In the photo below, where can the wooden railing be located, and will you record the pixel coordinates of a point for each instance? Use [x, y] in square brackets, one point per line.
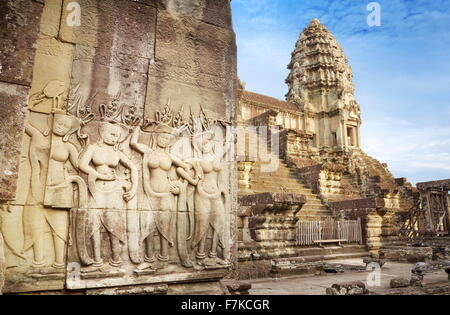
[342, 231]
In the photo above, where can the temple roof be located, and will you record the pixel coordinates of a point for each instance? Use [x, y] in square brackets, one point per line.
[269, 101]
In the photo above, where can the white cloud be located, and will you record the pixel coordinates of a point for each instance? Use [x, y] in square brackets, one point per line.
[419, 152]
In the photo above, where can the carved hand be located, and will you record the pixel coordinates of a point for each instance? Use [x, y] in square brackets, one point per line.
[174, 189]
[127, 196]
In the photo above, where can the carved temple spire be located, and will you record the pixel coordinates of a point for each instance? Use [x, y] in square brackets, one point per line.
[321, 77]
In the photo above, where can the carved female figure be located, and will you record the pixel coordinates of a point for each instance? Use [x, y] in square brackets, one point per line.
[159, 201]
[36, 217]
[210, 196]
[109, 193]
[59, 190]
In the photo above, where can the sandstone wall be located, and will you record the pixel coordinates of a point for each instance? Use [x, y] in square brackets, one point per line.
[108, 86]
[18, 34]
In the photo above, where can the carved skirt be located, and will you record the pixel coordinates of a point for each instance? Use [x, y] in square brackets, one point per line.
[157, 215]
[107, 209]
[209, 212]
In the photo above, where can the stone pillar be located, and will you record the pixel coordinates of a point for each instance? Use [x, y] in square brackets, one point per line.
[245, 168]
[374, 223]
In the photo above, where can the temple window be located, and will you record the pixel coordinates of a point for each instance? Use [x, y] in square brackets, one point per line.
[333, 139]
[351, 136]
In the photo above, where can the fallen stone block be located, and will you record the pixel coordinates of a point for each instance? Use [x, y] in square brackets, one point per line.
[237, 287]
[348, 288]
[410, 254]
[416, 280]
[400, 282]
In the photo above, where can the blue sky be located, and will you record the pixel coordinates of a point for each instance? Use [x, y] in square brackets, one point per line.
[401, 70]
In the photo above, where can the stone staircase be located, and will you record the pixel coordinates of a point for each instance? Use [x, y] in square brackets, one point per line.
[276, 237]
[286, 179]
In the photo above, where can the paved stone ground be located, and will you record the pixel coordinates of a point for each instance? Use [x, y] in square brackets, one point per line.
[316, 285]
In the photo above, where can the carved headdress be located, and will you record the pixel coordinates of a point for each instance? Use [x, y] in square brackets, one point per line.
[202, 125]
[124, 116]
[202, 129]
[166, 122]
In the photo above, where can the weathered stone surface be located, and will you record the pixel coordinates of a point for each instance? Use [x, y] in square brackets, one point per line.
[297, 266]
[215, 12]
[122, 26]
[132, 290]
[406, 253]
[85, 169]
[272, 199]
[2, 262]
[400, 283]
[195, 63]
[113, 52]
[53, 63]
[13, 100]
[416, 280]
[349, 288]
[106, 83]
[237, 287]
[51, 18]
[19, 29]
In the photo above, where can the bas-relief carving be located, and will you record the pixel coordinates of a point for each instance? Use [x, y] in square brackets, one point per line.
[210, 194]
[166, 213]
[111, 191]
[159, 188]
[97, 187]
[51, 74]
[36, 225]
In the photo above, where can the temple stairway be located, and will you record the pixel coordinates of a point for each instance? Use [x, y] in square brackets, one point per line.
[285, 254]
[285, 179]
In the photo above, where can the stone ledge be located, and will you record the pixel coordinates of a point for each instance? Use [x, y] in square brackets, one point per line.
[406, 253]
[272, 198]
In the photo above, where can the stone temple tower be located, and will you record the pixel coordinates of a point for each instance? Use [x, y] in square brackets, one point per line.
[320, 84]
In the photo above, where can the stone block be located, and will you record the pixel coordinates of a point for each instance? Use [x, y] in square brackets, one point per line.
[195, 64]
[118, 25]
[106, 85]
[406, 253]
[52, 67]
[13, 100]
[400, 282]
[348, 288]
[160, 289]
[237, 287]
[114, 46]
[51, 18]
[19, 30]
[416, 280]
[215, 12]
